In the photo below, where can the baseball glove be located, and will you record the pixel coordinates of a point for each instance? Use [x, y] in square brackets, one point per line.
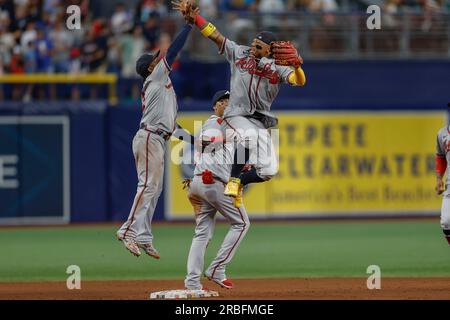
[285, 54]
[188, 8]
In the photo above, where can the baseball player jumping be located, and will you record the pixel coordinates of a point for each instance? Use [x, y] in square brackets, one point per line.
[206, 193]
[159, 111]
[442, 165]
[256, 75]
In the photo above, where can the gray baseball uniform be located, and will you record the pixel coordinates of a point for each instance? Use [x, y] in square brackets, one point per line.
[443, 150]
[254, 86]
[207, 198]
[216, 156]
[159, 111]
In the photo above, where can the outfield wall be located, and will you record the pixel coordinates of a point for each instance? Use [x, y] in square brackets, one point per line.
[76, 161]
[56, 166]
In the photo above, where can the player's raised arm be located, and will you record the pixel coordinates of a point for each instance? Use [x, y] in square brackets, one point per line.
[205, 27]
[209, 31]
[180, 39]
[178, 44]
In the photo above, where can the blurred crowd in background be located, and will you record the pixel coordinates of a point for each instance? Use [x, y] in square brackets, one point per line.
[34, 37]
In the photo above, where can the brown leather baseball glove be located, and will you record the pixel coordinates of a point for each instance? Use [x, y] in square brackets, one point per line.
[285, 54]
[188, 8]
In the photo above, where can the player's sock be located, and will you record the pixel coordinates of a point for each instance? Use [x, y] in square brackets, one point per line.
[250, 177]
[447, 235]
[241, 156]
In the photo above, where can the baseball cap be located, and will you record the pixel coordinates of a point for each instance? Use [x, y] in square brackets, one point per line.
[144, 62]
[266, 37]
[219, 95]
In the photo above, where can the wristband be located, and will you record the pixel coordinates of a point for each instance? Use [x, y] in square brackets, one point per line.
[208, 30]
[200, 21]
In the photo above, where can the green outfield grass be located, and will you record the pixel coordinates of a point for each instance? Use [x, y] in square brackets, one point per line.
[289, 249]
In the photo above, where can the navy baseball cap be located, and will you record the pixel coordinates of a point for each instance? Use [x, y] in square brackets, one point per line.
[144, 62]
[266, 37]
[219, 95]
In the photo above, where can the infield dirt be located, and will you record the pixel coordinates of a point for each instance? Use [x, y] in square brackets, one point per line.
[265, 289]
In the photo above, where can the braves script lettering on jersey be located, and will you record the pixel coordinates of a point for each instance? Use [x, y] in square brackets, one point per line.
[254, 84]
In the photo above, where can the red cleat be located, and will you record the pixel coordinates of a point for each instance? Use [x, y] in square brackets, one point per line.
[225, 283]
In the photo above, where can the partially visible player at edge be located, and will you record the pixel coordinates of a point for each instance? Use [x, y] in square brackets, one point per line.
[255, 81]
[158, 122]
[442, 165]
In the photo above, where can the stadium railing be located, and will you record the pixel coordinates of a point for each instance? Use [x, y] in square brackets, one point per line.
[338, 35]
[43, 78]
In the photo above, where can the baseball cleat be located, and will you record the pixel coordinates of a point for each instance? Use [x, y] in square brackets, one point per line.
[131, 246]
[224, 283]
[150, 250]
[239, 198]
[232, 187]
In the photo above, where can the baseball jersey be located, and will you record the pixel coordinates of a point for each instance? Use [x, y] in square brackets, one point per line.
[217, 157]
[253, 85]
[159, 101]
[443, 148]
